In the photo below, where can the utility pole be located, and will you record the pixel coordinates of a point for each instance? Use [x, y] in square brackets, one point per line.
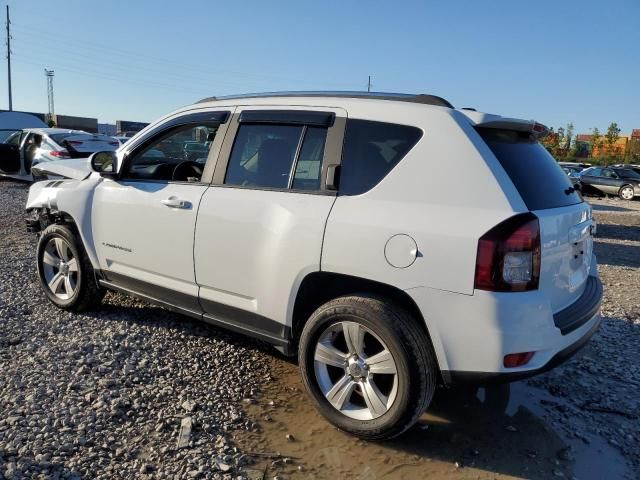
[369, 84]
[9, 59]
[52, 114]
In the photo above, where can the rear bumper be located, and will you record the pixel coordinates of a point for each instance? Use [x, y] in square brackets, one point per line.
[484, 378]
[471, 334]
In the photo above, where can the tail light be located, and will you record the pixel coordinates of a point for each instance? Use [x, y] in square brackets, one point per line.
[74, 142]
[59, 154]
[508, 257]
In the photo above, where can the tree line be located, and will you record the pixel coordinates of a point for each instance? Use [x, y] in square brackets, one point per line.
[601, 148]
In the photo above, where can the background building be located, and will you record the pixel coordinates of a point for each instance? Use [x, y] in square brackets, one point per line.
[603, 148]
[107, 128]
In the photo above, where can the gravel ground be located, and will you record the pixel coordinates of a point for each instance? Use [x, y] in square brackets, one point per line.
[600, 388]
[108, 394]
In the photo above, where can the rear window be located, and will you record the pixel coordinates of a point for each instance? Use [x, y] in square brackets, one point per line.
[534, 172]
[371, 150]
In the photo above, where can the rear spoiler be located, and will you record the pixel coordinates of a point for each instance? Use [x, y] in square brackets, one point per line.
[487, 120]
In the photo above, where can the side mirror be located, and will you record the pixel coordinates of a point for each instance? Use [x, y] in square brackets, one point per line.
[104, 163]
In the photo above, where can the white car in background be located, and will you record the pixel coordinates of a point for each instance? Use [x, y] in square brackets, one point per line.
[29, 147]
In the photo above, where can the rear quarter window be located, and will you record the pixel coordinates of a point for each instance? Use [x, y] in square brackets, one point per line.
[371, 150]
[541, 182]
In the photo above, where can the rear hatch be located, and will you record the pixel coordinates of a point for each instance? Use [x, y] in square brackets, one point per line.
[565, 220]
[81, 145]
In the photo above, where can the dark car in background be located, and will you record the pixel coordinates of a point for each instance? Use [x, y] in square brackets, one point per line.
[602, 181]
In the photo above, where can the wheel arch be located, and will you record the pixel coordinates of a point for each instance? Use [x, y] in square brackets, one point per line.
[318, 288]
[68, 202]
[40, 218]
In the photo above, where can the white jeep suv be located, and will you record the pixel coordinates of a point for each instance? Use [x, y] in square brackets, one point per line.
[395, 242]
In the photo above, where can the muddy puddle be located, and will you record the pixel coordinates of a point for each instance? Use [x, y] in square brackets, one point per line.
[472, 437]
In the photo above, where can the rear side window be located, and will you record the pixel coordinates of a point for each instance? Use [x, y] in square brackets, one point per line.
[534, 172]
[371, 150]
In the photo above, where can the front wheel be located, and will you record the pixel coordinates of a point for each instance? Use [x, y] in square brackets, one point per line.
[367, 365]
[626, 192]
[64, 270]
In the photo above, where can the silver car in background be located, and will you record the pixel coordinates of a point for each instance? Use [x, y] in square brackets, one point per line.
[28, 147]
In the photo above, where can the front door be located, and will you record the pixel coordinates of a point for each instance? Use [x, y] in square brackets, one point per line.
[261, 224]
[10, 152]
[144, 221]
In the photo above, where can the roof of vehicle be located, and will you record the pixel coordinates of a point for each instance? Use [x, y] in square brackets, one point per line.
[426, 99]
[346, 98]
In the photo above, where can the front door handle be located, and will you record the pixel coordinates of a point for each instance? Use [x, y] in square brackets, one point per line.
[175, 202]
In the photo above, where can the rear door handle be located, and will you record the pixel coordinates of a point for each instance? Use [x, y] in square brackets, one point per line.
[175, 202]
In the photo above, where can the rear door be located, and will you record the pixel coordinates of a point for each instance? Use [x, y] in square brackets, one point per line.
[10, 151]
[260, 225]
[565, 220]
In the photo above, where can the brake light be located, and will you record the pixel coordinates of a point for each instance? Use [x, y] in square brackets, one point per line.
[74, 142]
[508, 257]
[59, 154]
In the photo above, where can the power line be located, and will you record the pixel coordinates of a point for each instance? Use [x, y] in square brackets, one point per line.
[119, 79]
[118, 53]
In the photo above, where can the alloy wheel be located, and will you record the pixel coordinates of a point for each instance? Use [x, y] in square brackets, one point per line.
[355, 370]
[60, 268]
[627, 193]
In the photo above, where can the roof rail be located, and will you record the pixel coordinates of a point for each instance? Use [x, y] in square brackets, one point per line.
[400, 97]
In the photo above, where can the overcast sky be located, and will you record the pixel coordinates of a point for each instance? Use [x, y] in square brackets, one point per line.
[552, 61]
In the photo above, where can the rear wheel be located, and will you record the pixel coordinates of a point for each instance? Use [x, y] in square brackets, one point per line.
[368, 367]
[64, 270]
[626, 192]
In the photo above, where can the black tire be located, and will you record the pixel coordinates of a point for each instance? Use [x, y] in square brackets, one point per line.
[87, 294]
[409, 346]
[623, 189]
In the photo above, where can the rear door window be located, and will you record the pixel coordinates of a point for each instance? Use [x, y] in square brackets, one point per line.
[534, 172]
[371, 150]
[266, 156]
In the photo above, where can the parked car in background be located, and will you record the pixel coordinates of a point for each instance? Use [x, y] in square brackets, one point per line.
[10, 124]
[26, 148]
[324, 231]
[623, 182]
